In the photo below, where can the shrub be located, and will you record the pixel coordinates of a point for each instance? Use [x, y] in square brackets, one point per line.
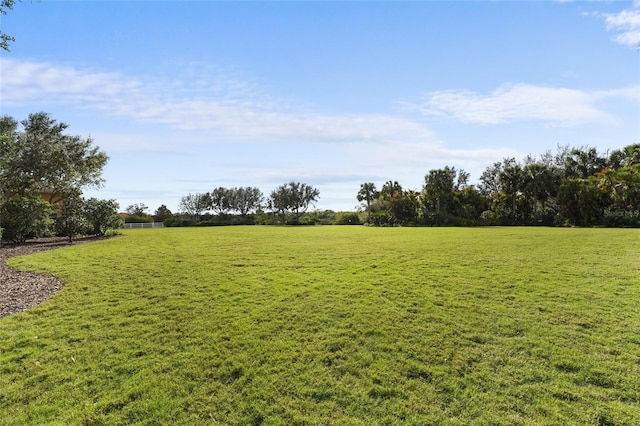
[70, 218]
[135, 218]
[177, 221]
[71, 226]
[488, 217]
[348, 218]
[113, 233]
[102, 215]
[171, 222]
[381, 218]
[26, 217]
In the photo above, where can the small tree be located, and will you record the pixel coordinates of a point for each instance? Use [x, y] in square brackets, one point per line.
[70, 217]
[102, 215]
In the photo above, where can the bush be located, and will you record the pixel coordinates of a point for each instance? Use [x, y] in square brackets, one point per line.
[113, 232]
[102, 215]
[177, 221]
[135, 218]
[348, 218]
[70, 218]
[381, 218]
[171, 222]
[26, 217]
[71, 226]
[489, 217]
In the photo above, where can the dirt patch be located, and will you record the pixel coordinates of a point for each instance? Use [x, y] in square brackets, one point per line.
[24, 290]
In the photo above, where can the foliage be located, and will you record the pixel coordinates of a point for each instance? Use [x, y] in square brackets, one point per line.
[162, 213]
[43, 159]
[368, 193]
[318, 325]
[575, 186]
[5, 39]
[439, 188]
[293, 197]
[102, 215]
[139, 209]
[246, 199]
[71, 219]
[194, 205]
[348, 218]
[138, 219]
[581, 202]
[26, 217]
[41, 164]
[220, 200]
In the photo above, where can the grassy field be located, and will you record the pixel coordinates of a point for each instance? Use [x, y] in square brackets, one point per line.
[331, 325]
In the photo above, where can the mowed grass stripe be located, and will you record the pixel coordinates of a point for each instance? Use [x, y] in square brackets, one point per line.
[331, 325]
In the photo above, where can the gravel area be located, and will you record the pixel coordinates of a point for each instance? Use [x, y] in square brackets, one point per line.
[24, 290]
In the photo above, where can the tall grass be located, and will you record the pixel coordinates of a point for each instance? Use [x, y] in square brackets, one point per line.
[331, 325]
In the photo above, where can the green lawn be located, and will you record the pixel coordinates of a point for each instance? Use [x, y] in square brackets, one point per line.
[331, 325]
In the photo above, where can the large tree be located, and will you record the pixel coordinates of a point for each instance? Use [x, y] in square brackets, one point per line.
[582, 163]
[439, 186]
[245, 199]
[490, 179]
[293, 197]
[194, 205]
[41, 158]
[220, 200]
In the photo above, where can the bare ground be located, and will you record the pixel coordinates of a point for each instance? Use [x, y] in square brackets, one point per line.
[24, 290]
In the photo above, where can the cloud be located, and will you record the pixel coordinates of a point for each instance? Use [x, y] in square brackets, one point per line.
[627, 24]
[208, 99]
[559, 106]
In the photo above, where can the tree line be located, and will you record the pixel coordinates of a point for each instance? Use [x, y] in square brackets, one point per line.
[43, 172]
[574, 186]
[246, 205]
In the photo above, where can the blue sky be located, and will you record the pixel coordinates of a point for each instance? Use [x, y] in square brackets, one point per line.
[188, 96]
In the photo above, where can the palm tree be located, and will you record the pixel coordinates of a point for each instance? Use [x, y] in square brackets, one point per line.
[368, 193]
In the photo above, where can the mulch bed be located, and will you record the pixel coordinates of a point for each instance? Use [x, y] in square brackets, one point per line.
[24, 290]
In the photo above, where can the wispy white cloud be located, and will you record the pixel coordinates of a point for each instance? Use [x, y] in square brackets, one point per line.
[520, 102]
[203, 100]
[627, 24]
